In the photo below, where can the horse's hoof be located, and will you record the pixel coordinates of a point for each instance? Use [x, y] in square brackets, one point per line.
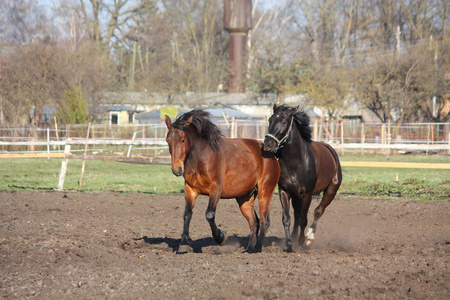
[309, 243]
[289, 250]
[250, 251]
[182, 249]
[220, 239]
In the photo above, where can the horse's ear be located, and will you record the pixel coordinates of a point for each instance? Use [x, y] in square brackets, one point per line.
[274, 107]
[168, 122]
[189, 121]
[295, 109]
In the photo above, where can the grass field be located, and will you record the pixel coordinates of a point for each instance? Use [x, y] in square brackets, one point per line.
[109, 176]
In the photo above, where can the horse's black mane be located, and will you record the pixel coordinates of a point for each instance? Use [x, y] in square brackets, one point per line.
[202, 126]
[301, 119]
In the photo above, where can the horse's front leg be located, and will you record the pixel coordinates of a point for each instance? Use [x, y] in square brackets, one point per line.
[190, 195]
[285, 199]
[210, 215]
[303, 218]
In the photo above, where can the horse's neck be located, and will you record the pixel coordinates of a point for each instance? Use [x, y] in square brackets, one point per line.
[199, 148]
[296, 145]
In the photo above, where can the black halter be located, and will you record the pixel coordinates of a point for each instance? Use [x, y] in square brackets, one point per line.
[280, 143]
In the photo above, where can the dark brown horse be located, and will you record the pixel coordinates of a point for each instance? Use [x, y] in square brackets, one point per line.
[307, 168]
[221, 168]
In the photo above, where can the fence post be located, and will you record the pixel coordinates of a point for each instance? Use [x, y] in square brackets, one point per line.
[432, 134]
[342, 136]
[363, 137]
[320, 131]
[129, 147]
[48, 142]
[448, 139]
[57, 134]
[64, 163]
[315, 129]
[388, 152]
[84, 158]
[257, 129]
[332, 131]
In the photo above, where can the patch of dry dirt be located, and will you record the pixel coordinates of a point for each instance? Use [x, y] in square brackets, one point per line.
[56, 245]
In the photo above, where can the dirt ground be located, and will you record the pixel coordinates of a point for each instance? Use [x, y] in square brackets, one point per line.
[56, 245]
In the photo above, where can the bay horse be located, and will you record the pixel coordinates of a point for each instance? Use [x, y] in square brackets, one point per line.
[307, 168]
[219, 167]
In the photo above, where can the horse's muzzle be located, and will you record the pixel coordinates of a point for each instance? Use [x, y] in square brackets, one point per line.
[178, 172]
[269, 145]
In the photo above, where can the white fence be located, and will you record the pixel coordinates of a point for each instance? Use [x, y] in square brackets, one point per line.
[148, 139]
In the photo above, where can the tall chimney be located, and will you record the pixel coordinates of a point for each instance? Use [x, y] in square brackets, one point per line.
[237, 20]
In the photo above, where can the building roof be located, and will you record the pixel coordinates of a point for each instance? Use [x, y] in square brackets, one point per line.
[217, 115]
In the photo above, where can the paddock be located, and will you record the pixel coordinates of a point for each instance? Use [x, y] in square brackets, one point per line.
[56, 245]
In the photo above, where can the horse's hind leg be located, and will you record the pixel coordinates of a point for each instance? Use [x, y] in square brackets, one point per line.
[210, 215]
[246, 204]
[328, 196]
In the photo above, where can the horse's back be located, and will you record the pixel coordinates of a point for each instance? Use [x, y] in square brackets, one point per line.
[245, 165]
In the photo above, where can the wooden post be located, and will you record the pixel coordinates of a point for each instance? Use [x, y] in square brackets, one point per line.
[315, 129]
[57, 135]
[143, 137]
[383, 137]
[48, 141]
[332, 132]
[320, 132]
[342, 136]
[257, 129]
[64, 163]
[388, 152]
[84, 158]
[156, 136]
[428, 137]
[233, 128]
[129, 147]
[363, 136]
[448, 139]
[432, 134]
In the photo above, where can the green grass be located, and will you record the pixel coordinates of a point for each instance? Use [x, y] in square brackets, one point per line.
[426, 184]
[394, 158]
[99, 176]
[109, 176]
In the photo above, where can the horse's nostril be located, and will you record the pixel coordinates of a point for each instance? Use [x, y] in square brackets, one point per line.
[177, 172]
[268, 145]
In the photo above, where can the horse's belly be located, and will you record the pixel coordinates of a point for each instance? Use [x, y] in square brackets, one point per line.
[233, 185]
[238, 186]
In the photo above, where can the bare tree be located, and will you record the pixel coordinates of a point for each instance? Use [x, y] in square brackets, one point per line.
[22, 21]
[29, 82]
[182, 47]
[106, 21]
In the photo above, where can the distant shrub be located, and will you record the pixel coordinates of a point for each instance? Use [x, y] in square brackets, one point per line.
[74, 109]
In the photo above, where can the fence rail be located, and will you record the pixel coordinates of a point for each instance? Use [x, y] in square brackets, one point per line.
[149, 140]
[150, 137]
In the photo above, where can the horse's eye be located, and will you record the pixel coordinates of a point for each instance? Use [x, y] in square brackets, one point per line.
[283, 122]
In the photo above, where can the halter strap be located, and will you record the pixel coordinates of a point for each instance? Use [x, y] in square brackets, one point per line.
[280, 143]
